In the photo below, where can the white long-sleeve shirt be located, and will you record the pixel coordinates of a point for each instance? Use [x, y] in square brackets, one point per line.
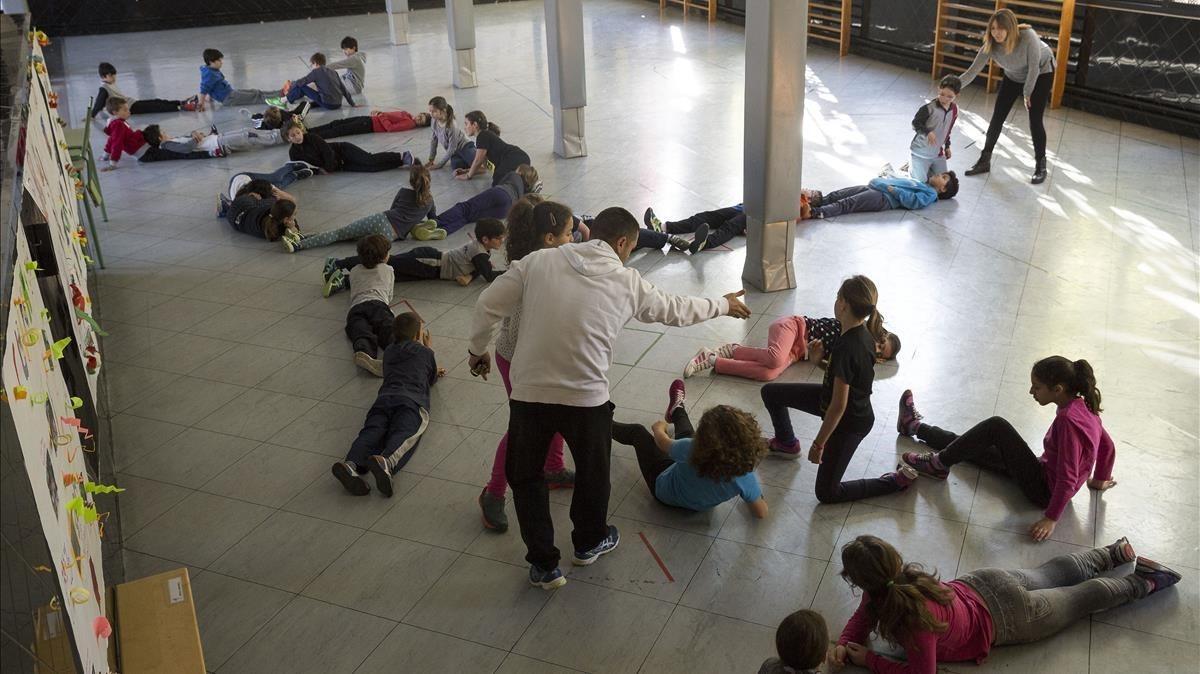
[574, 300]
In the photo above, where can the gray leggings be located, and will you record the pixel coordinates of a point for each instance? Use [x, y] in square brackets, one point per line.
[857, 199]
[377, 223]
[1032, 604]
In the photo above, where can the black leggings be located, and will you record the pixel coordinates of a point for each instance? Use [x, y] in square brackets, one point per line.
[1012, 91]
[724, 224]
[150, 105]
[839, 448]
[651, 460]
[153, 153]
[992, 444]
[350, 126]
[358, 160]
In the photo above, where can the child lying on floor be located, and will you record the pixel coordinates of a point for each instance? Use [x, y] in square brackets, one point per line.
[124, 139]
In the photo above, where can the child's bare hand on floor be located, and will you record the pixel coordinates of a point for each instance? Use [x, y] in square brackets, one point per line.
[441, 372]
[1042, 529]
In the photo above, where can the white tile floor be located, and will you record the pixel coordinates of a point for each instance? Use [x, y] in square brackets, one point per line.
[232, 388]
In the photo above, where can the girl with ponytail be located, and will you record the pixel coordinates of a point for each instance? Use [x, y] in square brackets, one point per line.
[842, 400]
[1075, 446]
[460, 152]
[503, 156]
[533, 224]
[961, 620]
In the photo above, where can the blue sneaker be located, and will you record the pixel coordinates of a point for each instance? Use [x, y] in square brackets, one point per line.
[586, 557]
[547, 580]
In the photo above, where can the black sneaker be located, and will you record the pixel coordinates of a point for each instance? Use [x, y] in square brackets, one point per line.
[347, 474]
[605, 546]
[699, 239]
[651, 220]
[383, 474]
[1158, 575]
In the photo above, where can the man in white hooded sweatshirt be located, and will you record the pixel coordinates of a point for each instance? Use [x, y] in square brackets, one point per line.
[574, 301]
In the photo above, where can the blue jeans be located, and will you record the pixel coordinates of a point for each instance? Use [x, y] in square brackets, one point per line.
[493, 202]
[281, 177]
[296, 93]
[464, 157]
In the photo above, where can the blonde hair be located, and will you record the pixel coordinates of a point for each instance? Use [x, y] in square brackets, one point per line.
[1008, 21]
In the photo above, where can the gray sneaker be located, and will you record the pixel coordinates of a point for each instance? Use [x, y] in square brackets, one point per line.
[366, 362]
[494, 517]
[383, 474]
[347, 474]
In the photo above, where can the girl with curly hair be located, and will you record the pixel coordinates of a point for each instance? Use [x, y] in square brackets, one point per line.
[701, 472]
[961, 620]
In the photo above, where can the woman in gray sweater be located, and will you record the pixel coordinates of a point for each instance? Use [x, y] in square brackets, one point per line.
[1028, 65]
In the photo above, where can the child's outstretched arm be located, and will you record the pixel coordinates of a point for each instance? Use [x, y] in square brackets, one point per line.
[476, 166]
[759, 508]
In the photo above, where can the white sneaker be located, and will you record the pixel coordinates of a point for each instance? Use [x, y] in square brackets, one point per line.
[726, 350]
[703, 360]
[372, 365]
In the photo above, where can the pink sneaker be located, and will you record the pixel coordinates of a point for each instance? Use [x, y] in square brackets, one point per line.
[677, 395]
[909, 419]
[785, 450]
[726, 350]
[925, 464]
[704, 359]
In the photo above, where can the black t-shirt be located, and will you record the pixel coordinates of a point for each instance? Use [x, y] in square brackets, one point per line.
[246, 213]
[497, 149]
[853, 360]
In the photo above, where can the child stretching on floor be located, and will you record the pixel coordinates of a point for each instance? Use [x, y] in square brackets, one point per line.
[494, 202]
[933, 122]
[411, 210]
[490, 149]
[378, 121]
[883, 193]
[321, 85]
[214, 87]
[802, 641]
[262, 209]
[339, 156]
[369, 322]
[355, 65]
[703, 472]
[790, 339]
[460, 151]
[532, 226]
[400, 415]
[124, 139]
[1075, 445]
[108, 88]
[963, 619]
[425, 263]
[842, 400]
[279, 178]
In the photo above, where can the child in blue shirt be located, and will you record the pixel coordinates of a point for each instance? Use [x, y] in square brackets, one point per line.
[214, 87]
[699, 473]
[890, 190]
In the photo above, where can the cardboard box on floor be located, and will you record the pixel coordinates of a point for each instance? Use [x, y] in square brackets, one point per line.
[156, 625]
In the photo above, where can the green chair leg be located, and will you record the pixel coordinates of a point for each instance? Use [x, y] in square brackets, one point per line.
[93, 239]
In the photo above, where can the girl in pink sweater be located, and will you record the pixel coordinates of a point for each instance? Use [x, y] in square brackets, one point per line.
[1075, 446]
[961, 620]
[790, 339]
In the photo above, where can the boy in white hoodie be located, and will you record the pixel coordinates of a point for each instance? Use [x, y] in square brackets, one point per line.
[574, 301]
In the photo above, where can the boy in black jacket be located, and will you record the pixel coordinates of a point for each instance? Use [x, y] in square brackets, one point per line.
[400, 415]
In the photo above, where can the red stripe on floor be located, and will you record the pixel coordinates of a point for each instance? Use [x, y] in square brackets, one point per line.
[658, 559]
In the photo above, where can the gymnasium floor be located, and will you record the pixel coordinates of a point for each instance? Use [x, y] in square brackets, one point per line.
[232, 389]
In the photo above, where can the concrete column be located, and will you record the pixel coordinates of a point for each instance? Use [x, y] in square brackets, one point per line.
[460, 20]
[568, 89]
[397, 11]
[776, 36]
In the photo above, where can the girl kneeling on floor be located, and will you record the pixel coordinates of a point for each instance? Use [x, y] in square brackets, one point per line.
[702, 472]
[961, 620]
[1075, 445]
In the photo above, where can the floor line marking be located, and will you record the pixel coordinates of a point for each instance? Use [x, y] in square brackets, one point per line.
[658, 559]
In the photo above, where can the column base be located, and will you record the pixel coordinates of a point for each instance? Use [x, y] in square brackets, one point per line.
[769, 263]
[399, 27]
[464, 69]
[569, 139]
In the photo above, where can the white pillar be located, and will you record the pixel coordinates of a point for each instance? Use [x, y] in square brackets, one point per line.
[568, 88]
[397, 11]
[776, 36]
[460, 21]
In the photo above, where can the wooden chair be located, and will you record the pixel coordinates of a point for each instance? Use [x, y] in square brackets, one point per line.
[688, 5]
[83, 159]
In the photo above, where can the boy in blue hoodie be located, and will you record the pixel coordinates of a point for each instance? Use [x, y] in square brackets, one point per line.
[886, 192]
[400, 415]
[214, 87]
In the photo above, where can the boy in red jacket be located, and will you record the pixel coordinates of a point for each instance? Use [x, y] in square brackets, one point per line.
[124, 139]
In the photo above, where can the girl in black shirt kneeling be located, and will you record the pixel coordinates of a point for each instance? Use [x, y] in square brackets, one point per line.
[842, 400]
[505, 157]
[337, 156]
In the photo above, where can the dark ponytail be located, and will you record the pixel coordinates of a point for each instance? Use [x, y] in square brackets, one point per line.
[898, 591]
[477, 117]
[439, 103]
[530, 220]
[419, 181]
[280, 211]
[1076, 377]
[860, 294]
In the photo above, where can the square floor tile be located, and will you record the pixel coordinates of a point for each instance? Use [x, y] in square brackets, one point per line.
[192, 458]
[230, 613]
[297, 333]
[796, 522]
[134, 437]
[1115, 650]
[325, 498]
[186, 400]
[610, 631]
[310, 636]
[326, 428]
[753, 584]
[198, 529]
[424, 651]
[637, 565]
[436, 512]
[313, 376]
[381, 575]
[287, 551]
[694, 641]
[237, 324]
[482, 601]
[519, 664]
[471, 462]
[269, 475]
[128, 384]
[256, 414]
[245, 365]
[144, 500]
